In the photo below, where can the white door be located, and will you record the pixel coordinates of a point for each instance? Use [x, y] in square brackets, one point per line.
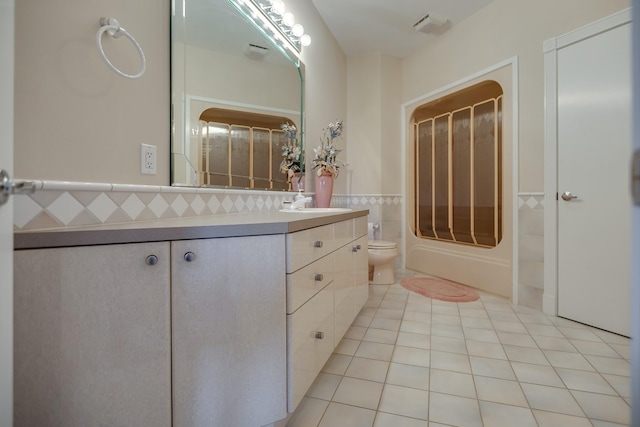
[6, 214]
[635, 253]
[594, 203]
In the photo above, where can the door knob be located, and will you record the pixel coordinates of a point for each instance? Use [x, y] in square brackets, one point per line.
[567, 196]
[9, 187]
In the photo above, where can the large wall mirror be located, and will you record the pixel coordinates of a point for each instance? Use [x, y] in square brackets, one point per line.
[224, 73]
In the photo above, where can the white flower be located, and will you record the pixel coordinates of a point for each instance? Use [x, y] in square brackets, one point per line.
[326, 153]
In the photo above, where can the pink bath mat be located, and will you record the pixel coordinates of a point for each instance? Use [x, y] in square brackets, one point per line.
[440, 289]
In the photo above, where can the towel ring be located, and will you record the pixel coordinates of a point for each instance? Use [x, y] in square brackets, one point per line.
[111, 26]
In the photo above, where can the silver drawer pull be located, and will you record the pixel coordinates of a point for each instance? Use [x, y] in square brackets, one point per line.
[358, 247]
[319, 335]
[317, 244]
[318, 277]
[151, 260]
[189, 256]
[354, 248]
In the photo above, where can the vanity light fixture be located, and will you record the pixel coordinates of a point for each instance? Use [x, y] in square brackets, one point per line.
[271, 18]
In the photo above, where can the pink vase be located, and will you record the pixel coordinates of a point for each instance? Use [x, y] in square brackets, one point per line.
[324, 189]
[297, 182]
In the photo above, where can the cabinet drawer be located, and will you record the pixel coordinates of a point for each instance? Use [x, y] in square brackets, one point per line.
[308, 281]
[306, 246]
[307, 354]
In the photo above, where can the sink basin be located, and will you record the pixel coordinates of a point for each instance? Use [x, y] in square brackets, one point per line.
[317, 210]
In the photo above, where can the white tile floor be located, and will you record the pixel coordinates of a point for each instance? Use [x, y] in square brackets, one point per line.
[410, 361]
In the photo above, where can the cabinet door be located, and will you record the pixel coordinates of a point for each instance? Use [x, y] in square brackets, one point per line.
[361, 274]
[343, 289]
[91, 334]
[229, 331]
[351, 277]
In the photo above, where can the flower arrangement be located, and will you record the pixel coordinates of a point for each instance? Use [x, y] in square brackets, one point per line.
[325, 160]
[292, 154]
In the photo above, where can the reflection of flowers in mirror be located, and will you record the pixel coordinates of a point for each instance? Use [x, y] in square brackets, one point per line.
[292, 153]
[326, 153]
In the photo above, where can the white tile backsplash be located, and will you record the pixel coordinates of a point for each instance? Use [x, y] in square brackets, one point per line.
[530, 249]
[60, 204]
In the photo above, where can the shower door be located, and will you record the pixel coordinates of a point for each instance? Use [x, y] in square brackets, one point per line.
[594, 203]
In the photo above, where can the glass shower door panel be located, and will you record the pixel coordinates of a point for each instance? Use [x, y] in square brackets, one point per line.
[261, 149]
[485, 178]
[278, 179]
[203, 153]
[424, 174]
[441, 177]
[461, 175]
[240, 159]
[218, 161]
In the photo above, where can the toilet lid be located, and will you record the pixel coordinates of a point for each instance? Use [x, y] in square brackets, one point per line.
[381, 244]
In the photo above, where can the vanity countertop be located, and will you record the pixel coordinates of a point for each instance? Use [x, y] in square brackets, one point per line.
[201, 227]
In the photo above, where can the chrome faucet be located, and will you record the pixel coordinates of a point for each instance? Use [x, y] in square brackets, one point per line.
[300, 201]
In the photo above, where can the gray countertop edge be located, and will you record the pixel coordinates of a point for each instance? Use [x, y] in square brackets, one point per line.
[205, 227]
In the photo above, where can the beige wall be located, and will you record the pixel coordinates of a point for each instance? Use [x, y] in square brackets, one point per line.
[503, 29]
[76, 120]
[373, 150]
[326, 84]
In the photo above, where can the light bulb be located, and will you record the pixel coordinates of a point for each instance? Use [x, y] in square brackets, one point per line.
[278, 7]
[297, 30]
[305, 40]
[288, 19]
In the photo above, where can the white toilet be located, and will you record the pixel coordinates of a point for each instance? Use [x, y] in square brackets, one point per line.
[382, 255]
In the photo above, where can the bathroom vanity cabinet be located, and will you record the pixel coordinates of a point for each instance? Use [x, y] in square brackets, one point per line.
[327, 285]
[92, 336]
[227, 328]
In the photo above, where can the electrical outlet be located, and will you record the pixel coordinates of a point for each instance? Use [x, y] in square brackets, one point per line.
[148, 159]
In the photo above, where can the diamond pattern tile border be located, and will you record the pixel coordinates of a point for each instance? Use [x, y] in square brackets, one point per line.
[59, 204]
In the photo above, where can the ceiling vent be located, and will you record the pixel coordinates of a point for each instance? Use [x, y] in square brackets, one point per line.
[430, 23]
[254, 51]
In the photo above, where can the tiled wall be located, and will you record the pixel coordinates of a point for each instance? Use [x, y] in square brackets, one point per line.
[531, 249]
[385, 210]
[70, 204]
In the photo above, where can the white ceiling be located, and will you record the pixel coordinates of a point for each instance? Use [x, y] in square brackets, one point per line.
[386, 26]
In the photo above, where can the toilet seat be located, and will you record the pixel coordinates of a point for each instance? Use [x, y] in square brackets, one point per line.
[381, 244]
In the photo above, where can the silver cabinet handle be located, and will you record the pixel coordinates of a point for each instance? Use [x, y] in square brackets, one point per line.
[317, 244]
[567, 196]
[319, 335]
[354, 248]
[189, 256]
[151, 260]
[9, 187]
[318, 277]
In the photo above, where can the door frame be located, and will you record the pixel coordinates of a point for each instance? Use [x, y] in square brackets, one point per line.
[405, 114]
[7, 13]
[635, 267]
[550, 49]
